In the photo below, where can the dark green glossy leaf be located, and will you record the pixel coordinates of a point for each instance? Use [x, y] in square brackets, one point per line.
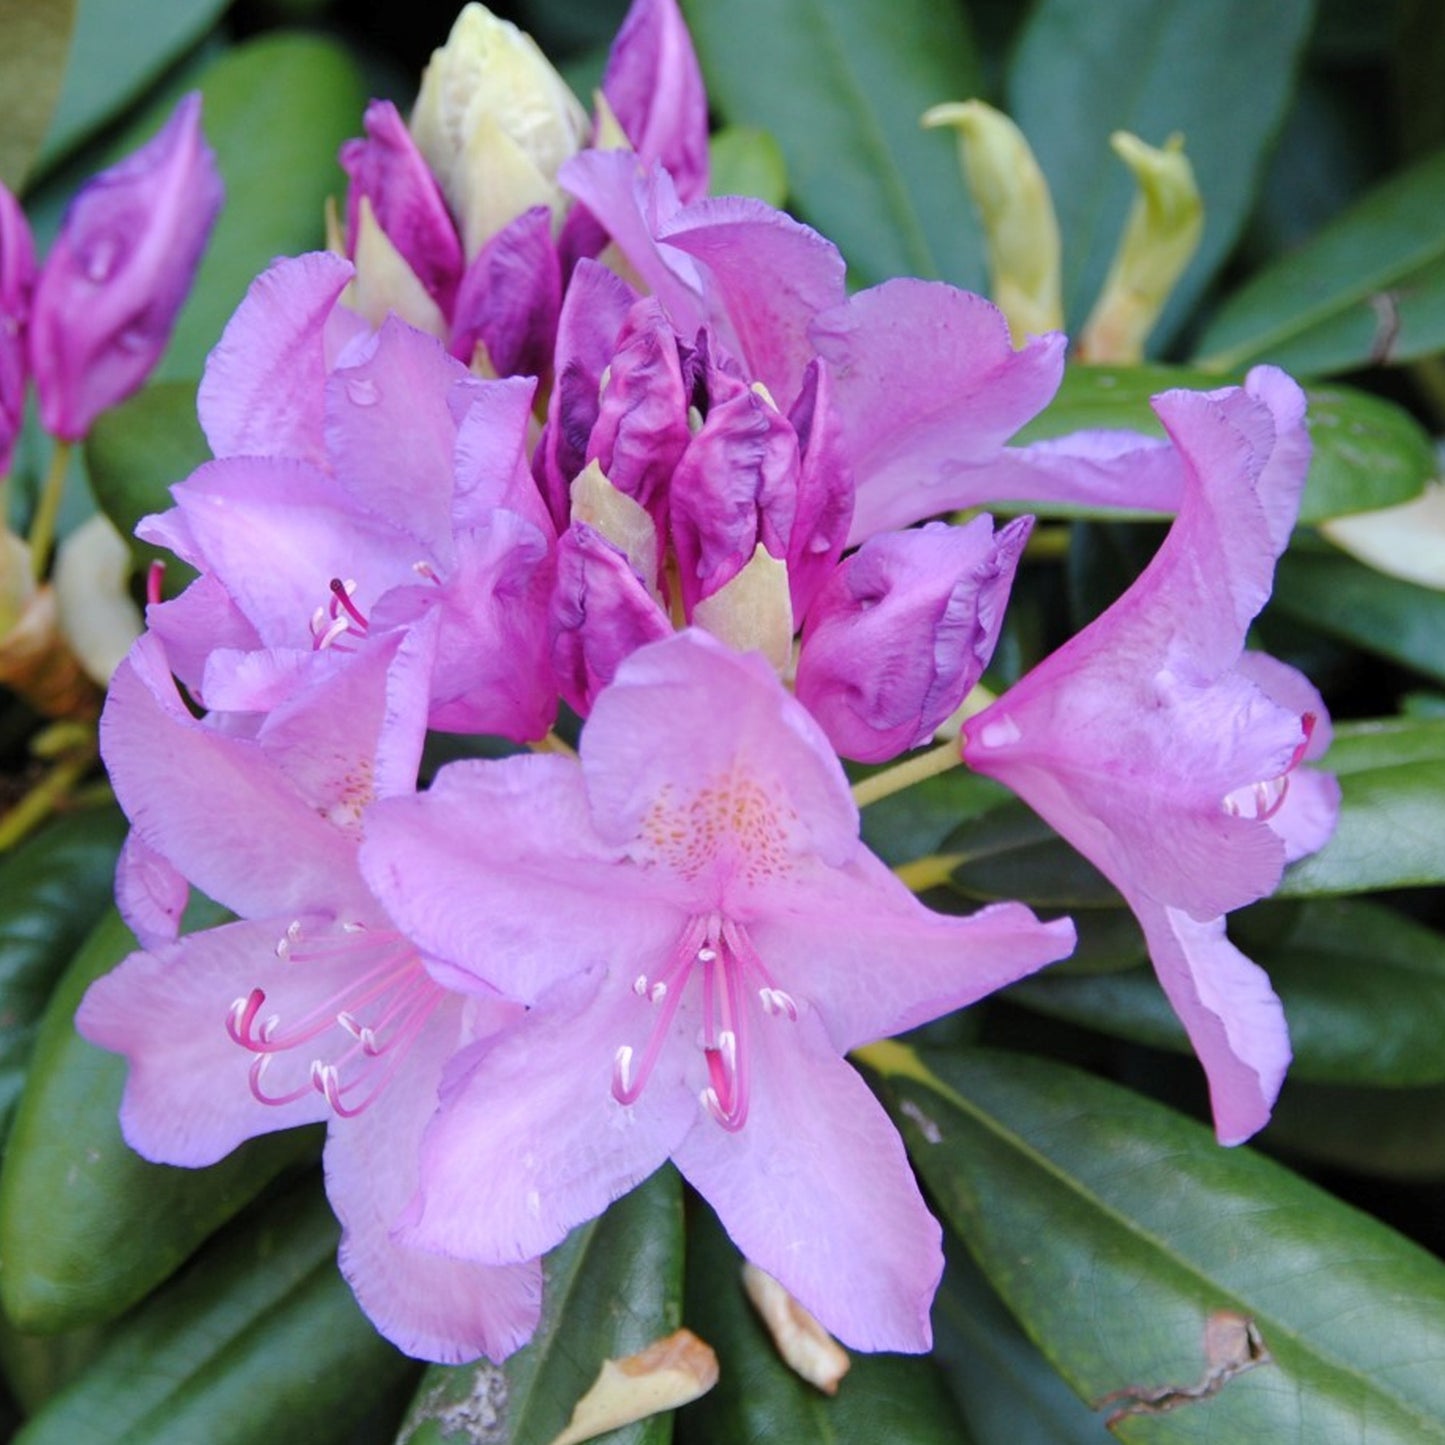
[39, 1366]
[1370, 287]
[1004, 1388]
[900, 1399]
[135, 452]
[1344, 598]
[842, 84]
[1082, 71]
[914, 823]
[34, 41]
[1363, 989]
[612, 1288]
[1010, 852]
[276, 109]
[120, 47]
[1393, 1133]
[87, 1227]
[1193, 1292]
[258, 1339]
[1419, 58]
[1392, 777]
[745, 161]
[54, 887]
[1368, 452]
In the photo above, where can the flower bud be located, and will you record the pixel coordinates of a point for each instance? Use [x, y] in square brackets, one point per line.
[902, 631]
[1017, 212]
[494, 121]
[17, 277]
[119, 272]
[1159, 241]
[387, 170]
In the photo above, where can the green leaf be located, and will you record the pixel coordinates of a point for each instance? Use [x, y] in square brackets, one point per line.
[276, 109]
[1343, 598]
[1193, 1292]
[55, 887]
[258, 1339]
[1363, 990]
[1010, 852]
[1004, 1388]
[134, 453]
[915, 822]
[1221, 73]
[1392, 777]
[842, 84]
[87, 1227]
[1368, 452]
[900, 1399]
[34, 40]
[1392, 1133]
[120, 48]
[1369, 288]
[612, 1288]
[745, 161]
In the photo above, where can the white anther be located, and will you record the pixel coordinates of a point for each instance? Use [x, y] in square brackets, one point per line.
[658, 992]
[622, 1070]
[706, 954]
[775, 1001]
[727, 1043]
[639, 985]
[709, 1100]
[337, 628]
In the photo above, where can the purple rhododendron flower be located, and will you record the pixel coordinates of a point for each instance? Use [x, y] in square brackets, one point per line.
[312, 1006]
[118, 273]
[1169, 756]
[17, 278]
[394, 491]
[699, 936]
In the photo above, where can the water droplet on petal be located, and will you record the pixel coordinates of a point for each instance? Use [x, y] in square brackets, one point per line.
[1001, 733]
[819, 543]
[363, 391]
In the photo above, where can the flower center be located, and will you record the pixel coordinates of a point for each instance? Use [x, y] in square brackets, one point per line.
[1259, 802]
[339, 619]
[720, 952]
[357, 1037]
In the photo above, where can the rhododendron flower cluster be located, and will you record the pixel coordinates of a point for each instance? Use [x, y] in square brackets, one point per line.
[635, 449]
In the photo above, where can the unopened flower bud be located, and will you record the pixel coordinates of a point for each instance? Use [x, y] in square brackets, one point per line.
[901, 632]
[1019, 227]
[1159, 241]
[752, 611]
[119, 272]
[17, 277]
[385, 282]
[494, 121]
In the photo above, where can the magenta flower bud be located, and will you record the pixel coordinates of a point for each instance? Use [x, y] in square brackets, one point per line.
[655, 89]
[641, 429]
[510, 297]
[593, 312]
[601, 613]
[17, 278]
[736, 486]
[119, 271]
[901, 632]
[825, 489]
[387, 169]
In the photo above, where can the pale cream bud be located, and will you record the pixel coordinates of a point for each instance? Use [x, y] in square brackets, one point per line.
[1159, 241]
[624, 522]
[494, 121]
[385, 282]
[92, 594]
[1019, 227]
[753, 611]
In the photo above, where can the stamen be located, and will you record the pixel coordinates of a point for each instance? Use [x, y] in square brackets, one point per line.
[342, 592]
[622, 1071]
[639, 985]
[658, 992]
[776, 1001]
[155, 575]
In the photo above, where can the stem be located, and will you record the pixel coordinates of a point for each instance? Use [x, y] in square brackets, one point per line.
[42, 524]
[553, 744]
[905, 774]
[37, 804]
[919, 874]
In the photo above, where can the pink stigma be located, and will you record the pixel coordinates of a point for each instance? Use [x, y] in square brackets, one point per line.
[349, 1045]
[730, 971]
